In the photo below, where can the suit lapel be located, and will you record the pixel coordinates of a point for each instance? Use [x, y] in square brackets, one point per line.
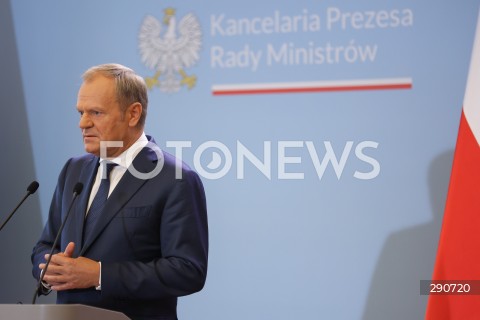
[127, 187]
[87, 177]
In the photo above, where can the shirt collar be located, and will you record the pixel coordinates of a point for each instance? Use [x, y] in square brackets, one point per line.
[125, 159]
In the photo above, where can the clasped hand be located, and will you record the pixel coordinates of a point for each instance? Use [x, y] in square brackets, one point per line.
[65, 272]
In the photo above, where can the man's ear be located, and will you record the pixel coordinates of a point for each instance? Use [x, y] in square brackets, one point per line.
[134, 112]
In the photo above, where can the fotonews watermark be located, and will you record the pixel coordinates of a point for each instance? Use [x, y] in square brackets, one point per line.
[286, 160]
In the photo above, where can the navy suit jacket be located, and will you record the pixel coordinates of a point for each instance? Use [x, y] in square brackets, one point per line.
[152, 237]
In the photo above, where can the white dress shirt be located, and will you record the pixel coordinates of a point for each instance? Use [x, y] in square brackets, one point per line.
[123, 161]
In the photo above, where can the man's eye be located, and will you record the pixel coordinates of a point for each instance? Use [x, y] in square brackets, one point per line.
[80, 113]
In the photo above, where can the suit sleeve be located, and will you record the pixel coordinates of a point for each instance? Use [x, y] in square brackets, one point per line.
[181, 267]
[44, 244]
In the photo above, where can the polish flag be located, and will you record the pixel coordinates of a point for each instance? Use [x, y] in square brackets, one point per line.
[458, 255]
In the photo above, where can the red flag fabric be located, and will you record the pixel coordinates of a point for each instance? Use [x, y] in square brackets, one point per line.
[458, 255]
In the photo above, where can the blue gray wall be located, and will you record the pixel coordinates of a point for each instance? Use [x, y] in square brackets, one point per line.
[17, 172]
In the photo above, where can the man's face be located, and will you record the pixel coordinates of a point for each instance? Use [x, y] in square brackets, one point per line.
[100, 116]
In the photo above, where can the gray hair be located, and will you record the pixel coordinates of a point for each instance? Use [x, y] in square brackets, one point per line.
[129, 86]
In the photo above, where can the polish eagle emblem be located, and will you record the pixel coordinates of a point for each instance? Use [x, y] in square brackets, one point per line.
[171, 53]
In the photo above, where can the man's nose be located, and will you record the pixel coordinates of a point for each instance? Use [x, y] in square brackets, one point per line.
[85, 121]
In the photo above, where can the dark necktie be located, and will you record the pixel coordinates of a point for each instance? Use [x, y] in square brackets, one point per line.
[99, 201]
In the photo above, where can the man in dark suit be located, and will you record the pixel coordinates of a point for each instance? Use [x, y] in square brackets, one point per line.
[137, 236]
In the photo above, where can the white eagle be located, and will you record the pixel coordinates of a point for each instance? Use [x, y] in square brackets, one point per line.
[170, 54]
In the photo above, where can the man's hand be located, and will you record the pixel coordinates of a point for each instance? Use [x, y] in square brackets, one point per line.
[65, 272]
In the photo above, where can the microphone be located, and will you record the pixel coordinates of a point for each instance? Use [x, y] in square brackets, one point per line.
[30, 190]
[77, 189]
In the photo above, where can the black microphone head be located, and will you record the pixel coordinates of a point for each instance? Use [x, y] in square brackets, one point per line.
[78, 188]
[33, 187]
